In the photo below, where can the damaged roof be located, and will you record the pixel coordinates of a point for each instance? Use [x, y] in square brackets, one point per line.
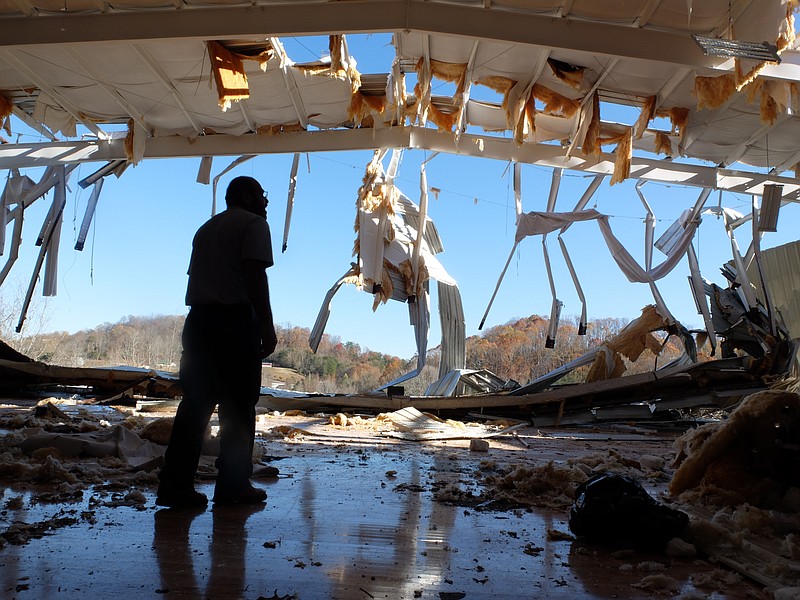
[212, 78]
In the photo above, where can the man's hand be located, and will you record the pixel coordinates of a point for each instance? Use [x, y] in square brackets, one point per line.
[258, 291]
[269, 340]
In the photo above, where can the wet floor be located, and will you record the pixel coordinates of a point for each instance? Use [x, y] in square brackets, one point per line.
[343, 521]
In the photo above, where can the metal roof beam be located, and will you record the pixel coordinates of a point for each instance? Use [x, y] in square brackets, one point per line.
[307, 17]
[421, 138]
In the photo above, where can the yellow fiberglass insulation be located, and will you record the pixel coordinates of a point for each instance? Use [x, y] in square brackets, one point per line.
[753, 89]
[622, 160]
[530, 113]
[386, 286]
[768, 109]
[362, 106]
[159, 431]
[229, 75]
[647, 114]
[452, 72]
[753, 453]
[591, 142]
[5, 107]
[445, 121]
[567, 73]
[127, 143]
[277, 129]
[501, 85]
[677, 116]
[631, 342]
[555, 103]
[713, 92]
[775, 98]
[663, 143]
[335, 48]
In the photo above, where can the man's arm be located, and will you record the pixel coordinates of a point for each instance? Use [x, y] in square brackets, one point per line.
[255, 276]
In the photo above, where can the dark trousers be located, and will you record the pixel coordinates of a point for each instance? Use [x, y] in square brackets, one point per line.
[220, 367]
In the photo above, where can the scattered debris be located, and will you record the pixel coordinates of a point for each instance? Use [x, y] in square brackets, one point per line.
[19, 532]
[117, 441]
[547, 486]
[554, 535]
[658, 583]
[415, 425]
[102, 381]
[478, 445]
[276, 597]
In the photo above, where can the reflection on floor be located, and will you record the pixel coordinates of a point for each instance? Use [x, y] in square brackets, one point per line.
[348, 518]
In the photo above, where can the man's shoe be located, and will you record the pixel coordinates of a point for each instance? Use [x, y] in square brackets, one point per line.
[247, 495]
[184, 498]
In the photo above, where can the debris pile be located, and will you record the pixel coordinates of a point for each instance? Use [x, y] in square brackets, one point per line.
[546, 486]
[631, 343]
[751, 457]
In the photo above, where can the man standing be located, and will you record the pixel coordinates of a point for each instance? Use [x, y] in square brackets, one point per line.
[228, 331]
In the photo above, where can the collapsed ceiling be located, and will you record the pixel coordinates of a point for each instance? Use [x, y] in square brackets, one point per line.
[697, 94]
[556, 67]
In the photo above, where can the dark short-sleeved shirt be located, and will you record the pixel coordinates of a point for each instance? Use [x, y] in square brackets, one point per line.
[220, 245]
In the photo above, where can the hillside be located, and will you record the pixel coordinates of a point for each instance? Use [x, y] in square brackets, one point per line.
[515, 350]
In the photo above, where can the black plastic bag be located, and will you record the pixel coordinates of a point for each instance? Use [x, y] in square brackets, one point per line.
[612, 508]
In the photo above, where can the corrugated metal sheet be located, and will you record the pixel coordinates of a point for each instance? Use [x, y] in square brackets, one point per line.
[782, 271]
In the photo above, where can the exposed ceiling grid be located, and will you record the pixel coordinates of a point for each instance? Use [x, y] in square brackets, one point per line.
[630, 51]
[166, 83]
[672, 84]
[32, 123]
[291, 84]
[761, 134]
[710, 118]
[108, 88]
[737, 8]
[248, 118]
[790, 162]
[51, 91]
[463, 117]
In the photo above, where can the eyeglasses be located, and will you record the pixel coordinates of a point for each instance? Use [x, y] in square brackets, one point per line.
[262, 194]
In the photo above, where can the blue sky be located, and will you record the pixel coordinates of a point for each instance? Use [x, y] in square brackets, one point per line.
[136, 255]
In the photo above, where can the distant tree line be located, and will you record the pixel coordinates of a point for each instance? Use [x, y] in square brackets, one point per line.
[515, 350]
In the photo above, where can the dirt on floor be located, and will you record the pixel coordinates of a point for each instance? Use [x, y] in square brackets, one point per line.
[76, 480]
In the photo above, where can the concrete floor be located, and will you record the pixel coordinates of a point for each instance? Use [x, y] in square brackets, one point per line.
[352, 515]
